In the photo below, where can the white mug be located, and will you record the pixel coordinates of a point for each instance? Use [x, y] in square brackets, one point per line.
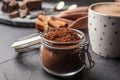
[104, 32]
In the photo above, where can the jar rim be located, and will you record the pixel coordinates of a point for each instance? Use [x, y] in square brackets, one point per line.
[79, 33]
[59, 45]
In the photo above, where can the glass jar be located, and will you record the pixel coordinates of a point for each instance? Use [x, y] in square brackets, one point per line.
[62, 58]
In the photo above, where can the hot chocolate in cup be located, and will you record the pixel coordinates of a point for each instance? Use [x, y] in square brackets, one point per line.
[108, 9]
[104, 28]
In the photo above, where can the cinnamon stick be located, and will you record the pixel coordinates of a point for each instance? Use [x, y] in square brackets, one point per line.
[62, 23]
[41, 26]
[53, 24]
[64, 20]
[56, 23]
[42, 17]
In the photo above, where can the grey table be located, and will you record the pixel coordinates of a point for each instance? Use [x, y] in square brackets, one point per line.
[26, 65]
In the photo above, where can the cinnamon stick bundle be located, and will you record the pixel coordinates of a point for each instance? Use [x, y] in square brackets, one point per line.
[57, 23]
[45, 23]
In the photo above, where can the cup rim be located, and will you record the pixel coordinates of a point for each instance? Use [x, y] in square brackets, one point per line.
[94, 4]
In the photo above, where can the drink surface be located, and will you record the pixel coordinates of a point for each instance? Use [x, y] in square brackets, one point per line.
[109, 9]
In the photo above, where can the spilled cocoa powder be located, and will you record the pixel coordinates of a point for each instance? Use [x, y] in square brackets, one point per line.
[62, 35]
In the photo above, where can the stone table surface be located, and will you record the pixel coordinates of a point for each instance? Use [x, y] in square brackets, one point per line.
[26, 65]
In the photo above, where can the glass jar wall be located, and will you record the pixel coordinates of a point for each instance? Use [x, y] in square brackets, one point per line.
[62, 58]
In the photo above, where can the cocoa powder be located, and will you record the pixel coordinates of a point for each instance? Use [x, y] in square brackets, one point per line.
[62, 35]
[61, 58]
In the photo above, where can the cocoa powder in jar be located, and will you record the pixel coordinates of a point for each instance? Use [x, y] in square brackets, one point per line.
[62, 35]
[61, 60]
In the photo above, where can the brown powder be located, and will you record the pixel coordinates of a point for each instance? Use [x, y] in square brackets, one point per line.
[62, 60]
[62, 35]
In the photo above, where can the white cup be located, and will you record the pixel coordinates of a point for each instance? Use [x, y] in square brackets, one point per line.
[104, 32]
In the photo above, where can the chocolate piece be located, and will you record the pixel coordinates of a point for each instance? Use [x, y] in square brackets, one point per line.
[24, 11]
[32, 4]
[14, 14]
[9, 6]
